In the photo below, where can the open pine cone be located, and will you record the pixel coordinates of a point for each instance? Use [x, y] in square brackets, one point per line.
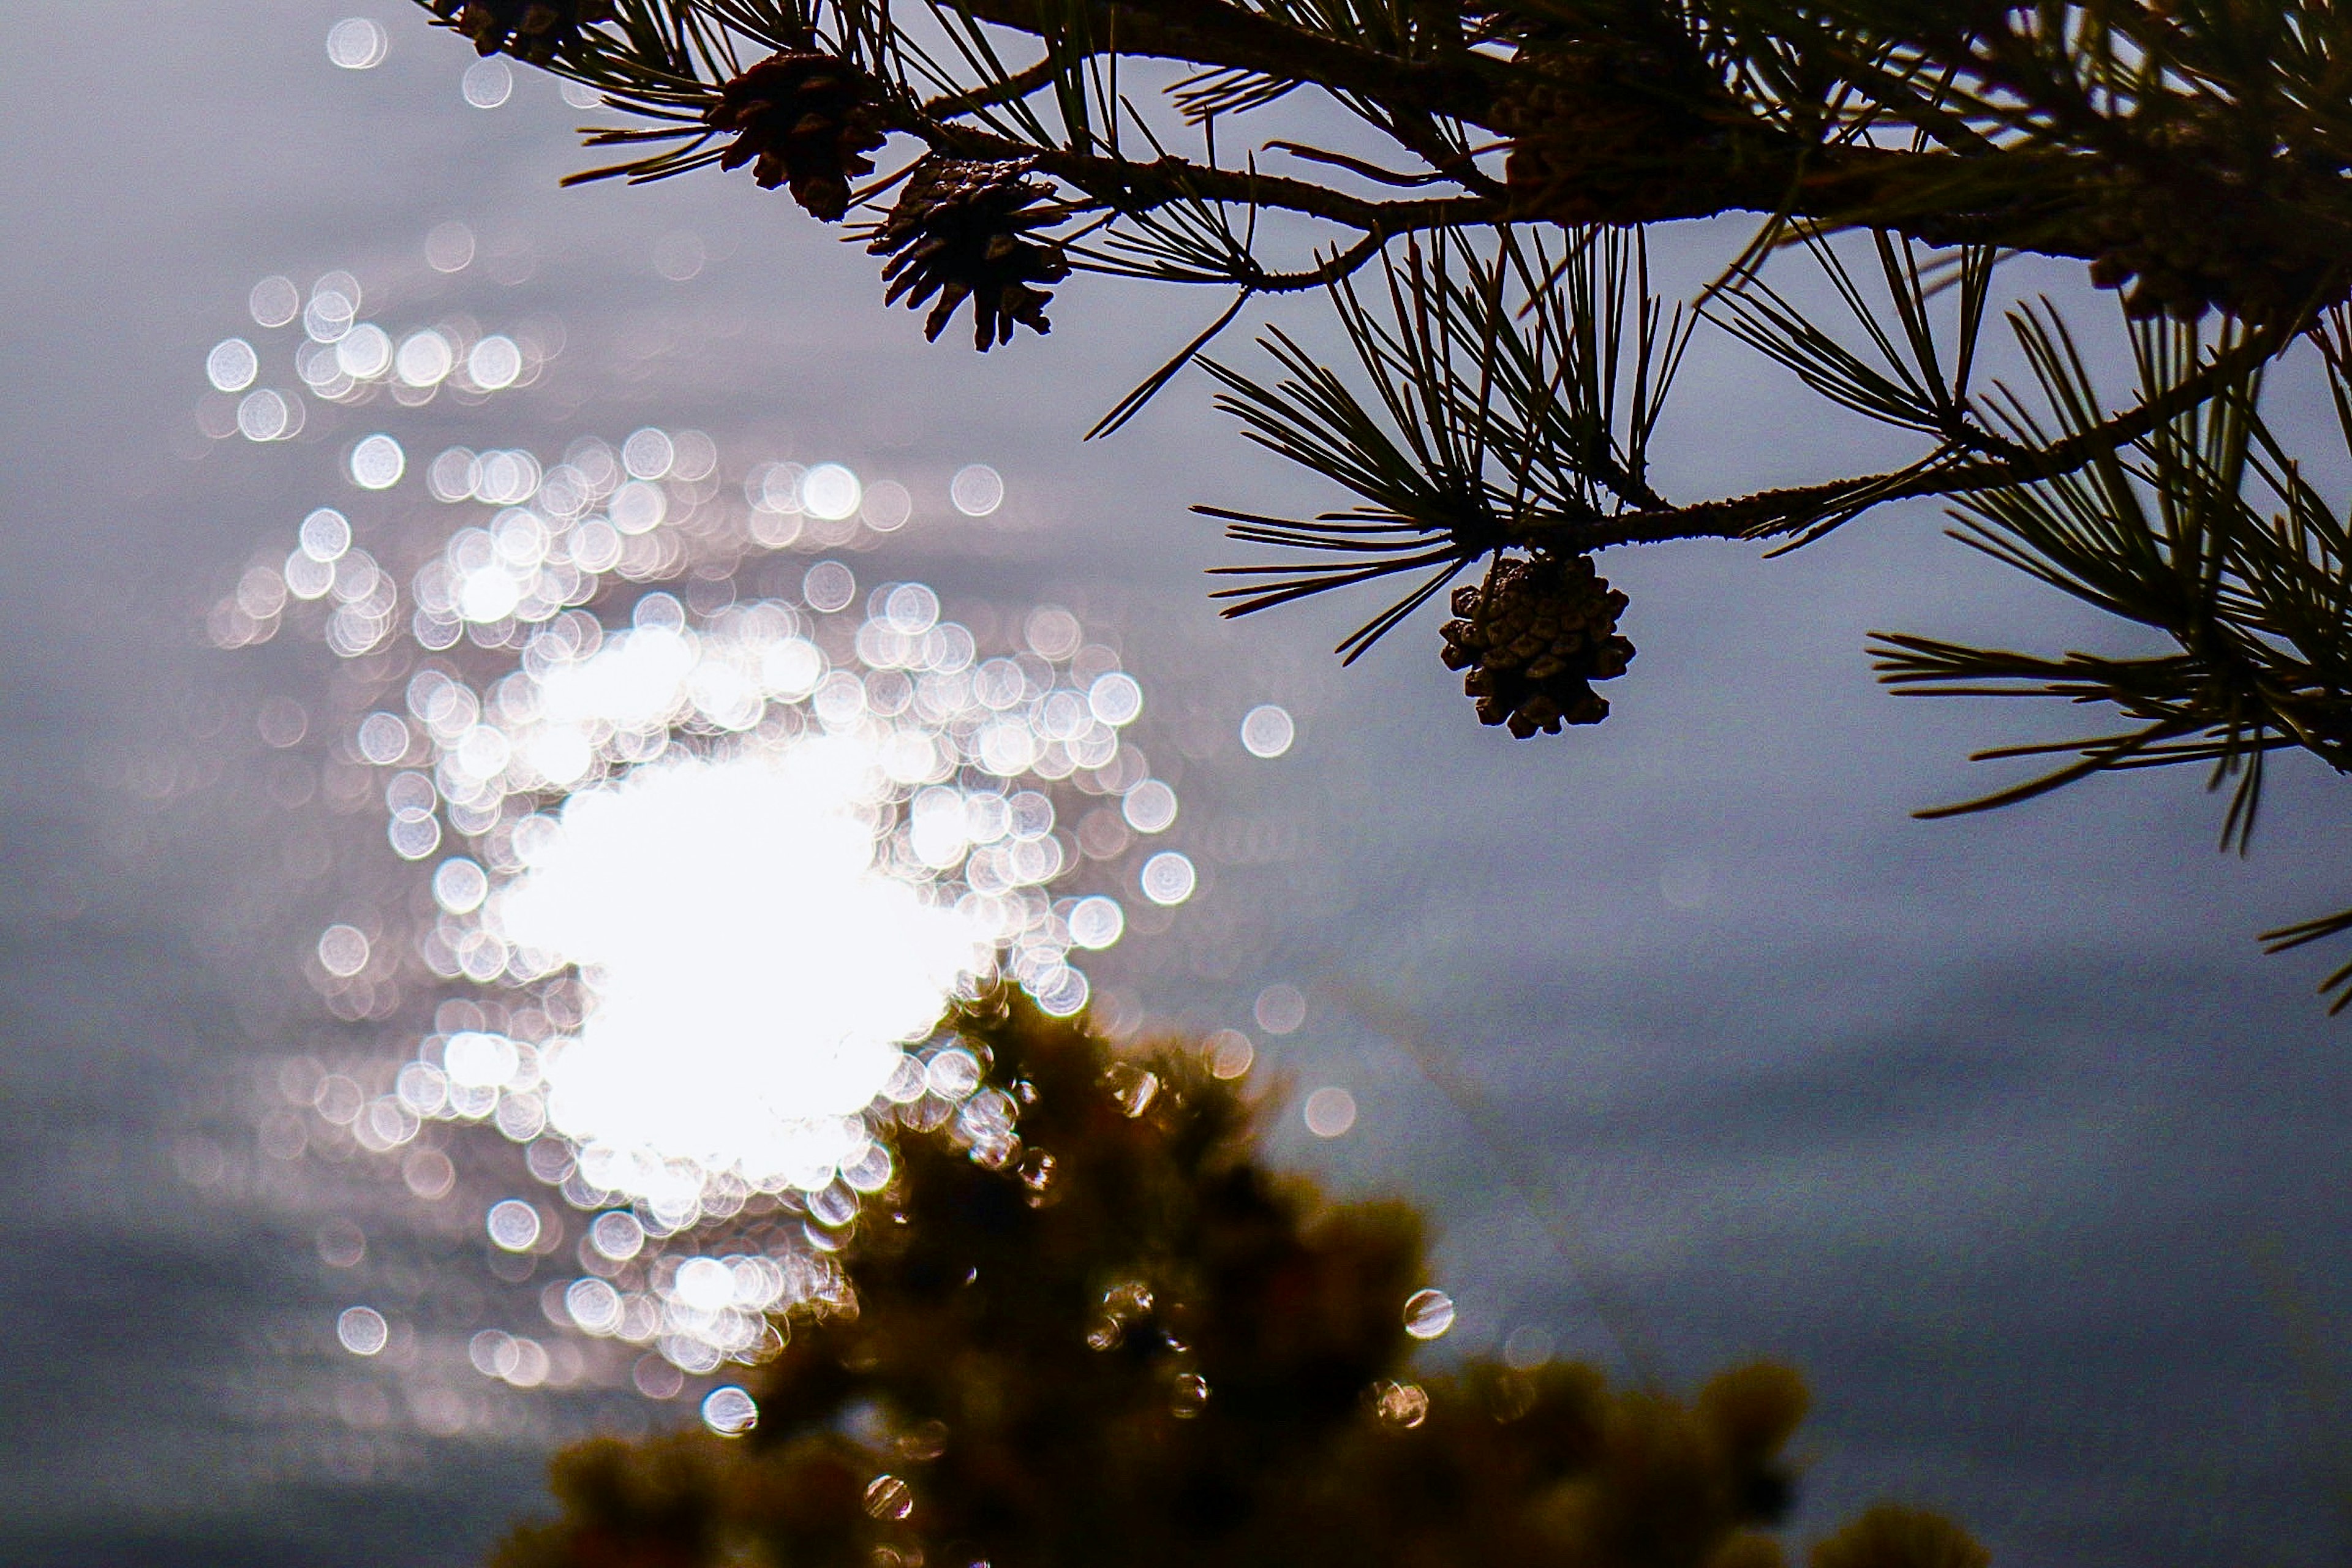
[2181, 249]
[1597, 134]
[961, 230]
[803, 120]
[532, 30]
[1533, 638]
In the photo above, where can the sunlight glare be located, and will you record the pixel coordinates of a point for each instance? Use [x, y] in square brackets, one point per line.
[751, 970]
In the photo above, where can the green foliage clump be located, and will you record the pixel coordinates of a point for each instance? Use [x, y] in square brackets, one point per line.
[1889, 1536]
[1087, 1325]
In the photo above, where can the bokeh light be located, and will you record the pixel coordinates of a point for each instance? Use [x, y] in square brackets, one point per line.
[324, 537]
[487, 84]
[270, 415]
[377, 461]
[1168, 878]
[513, 1224]
[977, 489]
[1231, 1053]
[362, 1331]
[274, 301]
[232, 365]
[1529, 1346]
[830, 491]
[1280, 1009]
[1096, 922]
[729, 1411]
[342, 951]
[358, 43]
[1150, 806]
[495, 363]
[449, 247]
[680, 256]
[1329, 1112]
[1267, 731]
[1428, 1314]
[1404, 1406]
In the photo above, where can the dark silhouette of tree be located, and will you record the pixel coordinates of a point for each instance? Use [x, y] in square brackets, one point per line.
[1086, 1325]
[1493, 169]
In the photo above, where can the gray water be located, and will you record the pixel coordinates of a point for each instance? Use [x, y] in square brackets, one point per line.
[2001, 1129]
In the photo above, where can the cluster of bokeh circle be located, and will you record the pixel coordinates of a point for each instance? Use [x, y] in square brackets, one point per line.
[704, 861]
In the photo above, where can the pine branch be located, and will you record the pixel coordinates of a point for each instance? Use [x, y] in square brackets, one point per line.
[1505, 390]
[1802, 508]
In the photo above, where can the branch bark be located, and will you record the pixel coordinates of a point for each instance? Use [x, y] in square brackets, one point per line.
[1780, 511]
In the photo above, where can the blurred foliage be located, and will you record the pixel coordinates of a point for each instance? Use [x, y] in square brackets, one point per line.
[1088, 1326]
[1474, 201]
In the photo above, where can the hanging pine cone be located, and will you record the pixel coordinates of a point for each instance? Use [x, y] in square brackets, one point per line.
[960, 230]
[1532, 638]
[532, 30]
[1600, 135]
[2181, 245]
[805, 120]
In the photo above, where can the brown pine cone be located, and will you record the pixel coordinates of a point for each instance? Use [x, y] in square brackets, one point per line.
[2167, 264]
[2210, 220]
[961, 230]
[1599, 136]
[1533, 639]
[532, 30]
[805, 120]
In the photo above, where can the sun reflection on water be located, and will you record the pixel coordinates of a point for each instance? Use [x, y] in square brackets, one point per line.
[704, 829]
[713, 875]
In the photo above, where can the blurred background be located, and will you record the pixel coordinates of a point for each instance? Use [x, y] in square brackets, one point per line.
[1694, 1046]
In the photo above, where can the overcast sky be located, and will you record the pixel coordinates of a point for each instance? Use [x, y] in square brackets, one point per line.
[2002, 1129]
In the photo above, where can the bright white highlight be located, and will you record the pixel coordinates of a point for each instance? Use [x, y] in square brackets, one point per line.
[495, 363]
[513, 1224]
[1168, 878]
[1097, 923]
[377, 463]
[830, 491]
[752, 974]
[232, 365]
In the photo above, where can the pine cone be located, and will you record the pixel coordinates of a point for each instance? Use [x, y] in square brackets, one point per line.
[2201, 224]
[1533, 638]
[959, 231]
[532, 30]
[1598, 137]
[803, 120]
[2169, 263]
